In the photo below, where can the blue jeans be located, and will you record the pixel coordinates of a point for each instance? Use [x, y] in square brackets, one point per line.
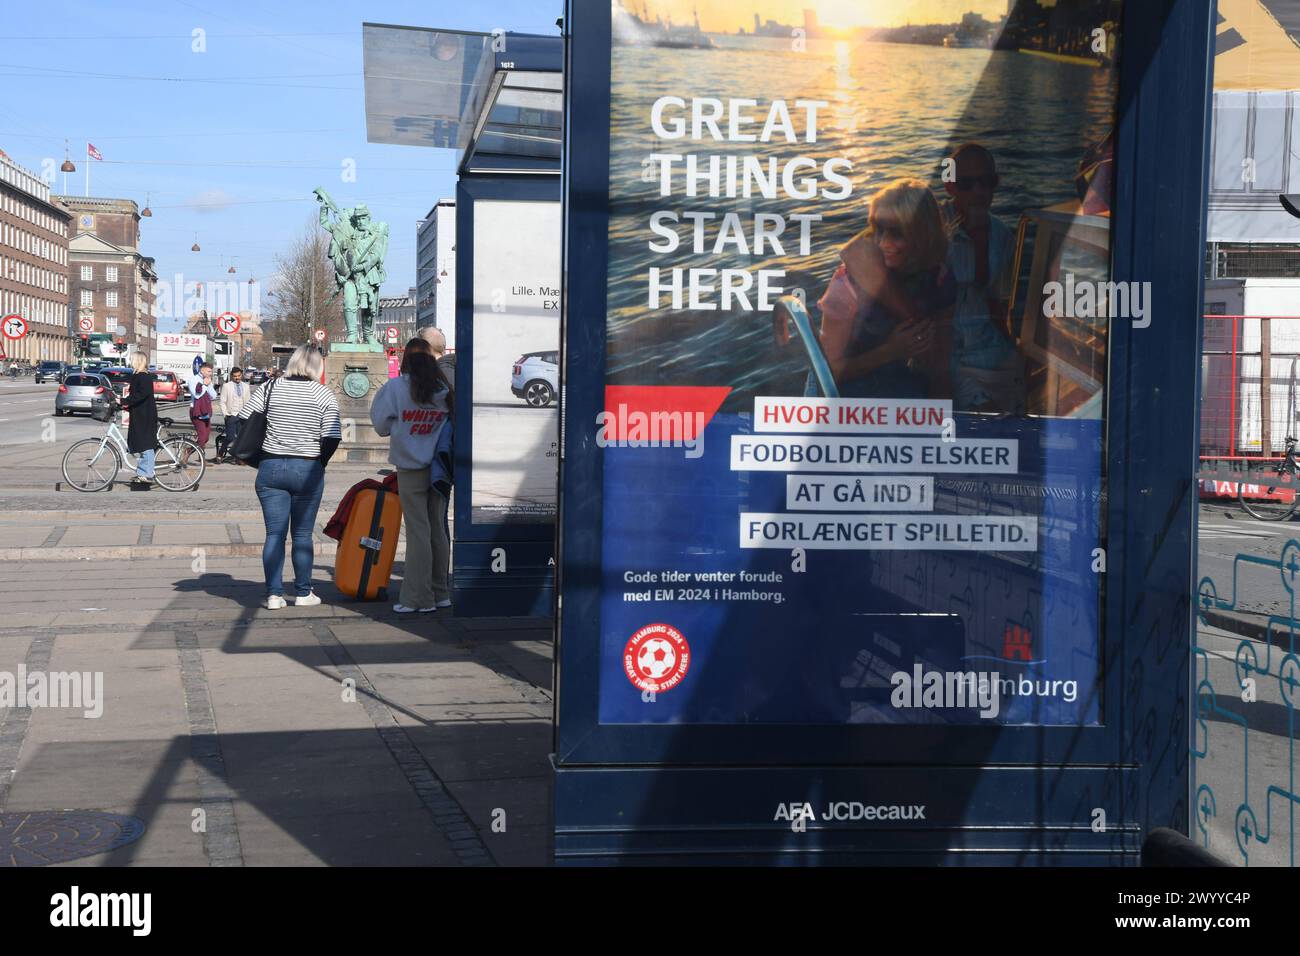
[232, 429]
[290, 491]
[144, 462]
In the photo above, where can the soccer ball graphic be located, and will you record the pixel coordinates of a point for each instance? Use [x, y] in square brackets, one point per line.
[656, 658]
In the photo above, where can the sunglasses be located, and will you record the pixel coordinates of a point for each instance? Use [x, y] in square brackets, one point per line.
[966, 183]
[888, 230]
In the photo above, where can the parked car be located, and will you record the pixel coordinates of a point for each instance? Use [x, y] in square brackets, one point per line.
[536, 378]
[83, 392]
[118, 376]
[256, 376]
[167, 387]
[50, 370]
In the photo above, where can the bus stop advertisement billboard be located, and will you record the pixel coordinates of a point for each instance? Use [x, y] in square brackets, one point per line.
[507, 419]
[848, 484]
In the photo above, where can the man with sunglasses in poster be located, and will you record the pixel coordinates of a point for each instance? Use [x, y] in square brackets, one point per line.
[987, 371]
[958, 332]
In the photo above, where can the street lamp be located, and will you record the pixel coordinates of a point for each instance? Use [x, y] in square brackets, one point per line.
[68, 167]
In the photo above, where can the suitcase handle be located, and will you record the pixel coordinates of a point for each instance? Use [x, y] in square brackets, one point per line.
[372, 552]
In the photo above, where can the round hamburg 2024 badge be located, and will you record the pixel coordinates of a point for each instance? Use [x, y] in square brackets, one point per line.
[657, 657]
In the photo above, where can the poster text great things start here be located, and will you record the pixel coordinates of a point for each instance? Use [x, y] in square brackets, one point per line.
[734, 176]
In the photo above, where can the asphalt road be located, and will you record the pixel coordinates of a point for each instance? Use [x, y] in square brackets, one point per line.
[1227, 535]
[24, 406]
[1247, 816]
[27, 414]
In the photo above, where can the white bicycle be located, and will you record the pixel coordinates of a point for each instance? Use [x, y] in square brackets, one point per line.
[93, 463]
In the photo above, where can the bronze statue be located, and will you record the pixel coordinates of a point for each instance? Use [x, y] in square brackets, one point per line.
[358, 245]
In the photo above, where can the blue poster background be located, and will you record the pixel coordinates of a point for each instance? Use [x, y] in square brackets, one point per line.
[825, 653]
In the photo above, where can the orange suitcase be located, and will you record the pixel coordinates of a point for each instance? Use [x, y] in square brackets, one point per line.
[366, 552]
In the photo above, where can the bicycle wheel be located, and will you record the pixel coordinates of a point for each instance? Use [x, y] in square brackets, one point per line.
[91, 464]
[1269, 495]
[179, 465]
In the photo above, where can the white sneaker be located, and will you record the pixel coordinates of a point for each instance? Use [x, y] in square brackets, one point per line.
[403, 609]
[445, 603]
[274, 602]
[307, 600]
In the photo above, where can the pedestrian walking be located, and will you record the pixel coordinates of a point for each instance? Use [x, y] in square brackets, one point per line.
[142, 430]
[414, 412]
[233, 396]
[202, 401]
[302, 433]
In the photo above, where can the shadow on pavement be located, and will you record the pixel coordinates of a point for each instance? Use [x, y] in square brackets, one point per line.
[344, 734]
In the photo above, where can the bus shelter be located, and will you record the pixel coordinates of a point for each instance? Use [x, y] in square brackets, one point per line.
[496, 100]
[880, 347]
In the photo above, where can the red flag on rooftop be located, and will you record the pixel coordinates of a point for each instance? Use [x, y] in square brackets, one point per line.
[92, 152]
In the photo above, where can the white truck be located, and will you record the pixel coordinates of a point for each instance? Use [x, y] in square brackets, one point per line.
[178, 350]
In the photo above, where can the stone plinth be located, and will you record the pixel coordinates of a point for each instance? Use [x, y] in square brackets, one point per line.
[355, 373]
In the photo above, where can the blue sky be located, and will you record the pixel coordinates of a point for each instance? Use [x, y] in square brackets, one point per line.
[226, 144]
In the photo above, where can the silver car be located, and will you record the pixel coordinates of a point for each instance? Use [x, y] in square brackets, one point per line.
[83, 392]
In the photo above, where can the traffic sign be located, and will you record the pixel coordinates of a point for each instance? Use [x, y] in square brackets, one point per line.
[228, 323]
[85, 324]
[198, 363]
[13, 326]
[392, 333]
[320, 335]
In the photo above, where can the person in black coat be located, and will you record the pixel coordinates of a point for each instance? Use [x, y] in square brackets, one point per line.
[142, 433]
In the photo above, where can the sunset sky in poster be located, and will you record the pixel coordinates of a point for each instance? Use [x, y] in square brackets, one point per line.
[726, 16]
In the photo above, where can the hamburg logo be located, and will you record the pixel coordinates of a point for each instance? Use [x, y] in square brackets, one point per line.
[1017, 642]
[657, 657]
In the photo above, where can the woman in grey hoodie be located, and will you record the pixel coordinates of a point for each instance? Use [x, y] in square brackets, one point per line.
[413, 411]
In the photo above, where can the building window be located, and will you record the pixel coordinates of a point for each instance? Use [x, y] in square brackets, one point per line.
[87, 297]
[110, 300]
[110, 273]
[87, 273]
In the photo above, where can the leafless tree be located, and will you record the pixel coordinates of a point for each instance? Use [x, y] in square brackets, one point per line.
[302, 299]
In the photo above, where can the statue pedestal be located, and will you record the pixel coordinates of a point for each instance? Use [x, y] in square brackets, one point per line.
[355, 373]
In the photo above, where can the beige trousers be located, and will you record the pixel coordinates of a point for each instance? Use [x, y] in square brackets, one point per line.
[424, 513]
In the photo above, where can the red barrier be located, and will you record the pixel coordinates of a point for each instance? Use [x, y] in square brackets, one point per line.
[1250, 392]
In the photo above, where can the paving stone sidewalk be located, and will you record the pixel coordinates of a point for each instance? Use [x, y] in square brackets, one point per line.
[222, 516]
[342, 734]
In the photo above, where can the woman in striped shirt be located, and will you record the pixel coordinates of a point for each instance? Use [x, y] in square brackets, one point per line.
[302, 433]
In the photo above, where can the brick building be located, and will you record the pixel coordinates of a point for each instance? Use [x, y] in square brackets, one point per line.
[109, 281]
[33, 264]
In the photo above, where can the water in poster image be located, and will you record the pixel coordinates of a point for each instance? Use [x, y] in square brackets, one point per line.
[897, 111]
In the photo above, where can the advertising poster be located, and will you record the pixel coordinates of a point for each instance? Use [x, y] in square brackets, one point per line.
[516, 361]
[858, 307]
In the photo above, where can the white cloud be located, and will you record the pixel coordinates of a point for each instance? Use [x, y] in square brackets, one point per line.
[210, 200]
